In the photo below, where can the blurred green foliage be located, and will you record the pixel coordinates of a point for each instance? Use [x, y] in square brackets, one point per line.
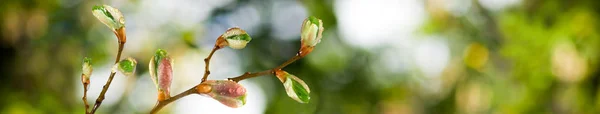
[540, 56]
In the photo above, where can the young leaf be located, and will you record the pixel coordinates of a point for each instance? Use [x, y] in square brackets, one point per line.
[127, 66]
[236, 38]
[227, 92]
[161, 71]
[86, 69]
[110, 16]
[294, 86]
[312, 31]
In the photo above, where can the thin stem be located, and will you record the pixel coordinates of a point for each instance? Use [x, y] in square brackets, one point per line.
[270, 71]
[251, 75]
[160, 104]
[110, 78]
[121, 45]
[288, 62]
[207, 63]
[84, 98]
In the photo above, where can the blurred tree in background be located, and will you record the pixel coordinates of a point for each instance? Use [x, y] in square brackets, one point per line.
[377, 56]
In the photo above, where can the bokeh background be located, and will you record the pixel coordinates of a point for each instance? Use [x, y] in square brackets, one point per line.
[376, 57]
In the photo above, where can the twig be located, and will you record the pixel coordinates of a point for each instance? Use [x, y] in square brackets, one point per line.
[110, 78]
[250, 75]
[270, 71]
[86, 84]
[288, 62]
[207, 63]
[160, 104]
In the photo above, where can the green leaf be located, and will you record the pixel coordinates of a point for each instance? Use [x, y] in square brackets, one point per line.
[127, 66]
[101, 9]
[300, 90]
[294, 86]
[243, 36]
[297, 89]
[314, 20]
[110, 16]
[243, 99]
[158, 56]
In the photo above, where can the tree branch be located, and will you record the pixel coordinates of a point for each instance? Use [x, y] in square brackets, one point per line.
[86, 84]
[110, 78]
[160, 104]
[288, 62]
[270, 71]
[207, 63]
[251, 75]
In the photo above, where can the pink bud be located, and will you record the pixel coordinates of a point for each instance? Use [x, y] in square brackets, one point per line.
[165, 74]
[227, 92]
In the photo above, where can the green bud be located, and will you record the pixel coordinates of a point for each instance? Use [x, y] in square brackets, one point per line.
[312, 30]
[126, 66]
[110, 16]
[294, 86]
[161, 70]
[87, 68]
[236, 38]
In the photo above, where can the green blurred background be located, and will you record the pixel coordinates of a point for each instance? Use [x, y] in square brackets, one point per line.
[376, 57]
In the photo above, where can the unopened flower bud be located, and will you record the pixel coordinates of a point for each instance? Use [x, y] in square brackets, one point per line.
[86, 69]
[227, 92]
[294, 86]
[126, 66]
[235, 38]
[312, 31]
[161, 71]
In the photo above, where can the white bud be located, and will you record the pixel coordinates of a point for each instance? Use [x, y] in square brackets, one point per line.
[312, 29]
[236, 38]
[87, 68]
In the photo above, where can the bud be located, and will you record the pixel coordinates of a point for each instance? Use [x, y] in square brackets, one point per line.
[312, 30]
[110, 16]
[235, 38]
[161, 71]
[227, 92]
[86, 69]
[294, 86]
[126, 66]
